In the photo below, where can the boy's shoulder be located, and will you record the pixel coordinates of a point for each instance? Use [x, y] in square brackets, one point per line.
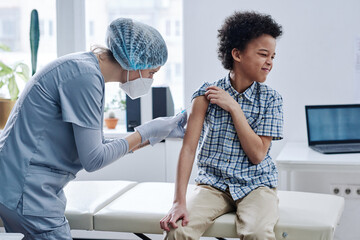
[267, 92]
[221, 83]
[202, 89]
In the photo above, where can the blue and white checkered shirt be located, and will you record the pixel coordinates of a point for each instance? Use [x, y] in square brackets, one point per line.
[222, 163]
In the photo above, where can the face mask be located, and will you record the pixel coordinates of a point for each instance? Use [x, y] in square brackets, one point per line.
[138, 87]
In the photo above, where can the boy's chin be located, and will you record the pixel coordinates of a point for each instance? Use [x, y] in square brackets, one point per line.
[260, 80]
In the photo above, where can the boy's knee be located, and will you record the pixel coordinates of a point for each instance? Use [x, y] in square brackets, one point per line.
[175, 233]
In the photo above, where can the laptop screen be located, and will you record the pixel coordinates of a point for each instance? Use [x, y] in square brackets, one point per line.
[333, 123]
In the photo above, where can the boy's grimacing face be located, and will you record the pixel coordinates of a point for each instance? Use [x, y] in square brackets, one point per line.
[256, 61]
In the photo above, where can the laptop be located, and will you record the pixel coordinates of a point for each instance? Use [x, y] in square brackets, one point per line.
[333, 128]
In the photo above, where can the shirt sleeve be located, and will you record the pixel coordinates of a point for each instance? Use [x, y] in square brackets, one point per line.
[81, 100]
[272, 122]
[104, 140]
[200, 91]
[93, 153]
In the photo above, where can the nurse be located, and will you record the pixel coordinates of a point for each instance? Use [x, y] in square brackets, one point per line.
[55, 128]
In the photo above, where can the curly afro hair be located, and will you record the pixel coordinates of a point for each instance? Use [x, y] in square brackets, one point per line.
[239, 29]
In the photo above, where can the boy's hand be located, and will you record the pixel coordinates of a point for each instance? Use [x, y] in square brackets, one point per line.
[178, 211]
[221, 98]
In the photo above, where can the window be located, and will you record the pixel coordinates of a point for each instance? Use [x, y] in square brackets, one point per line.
[177, 28]
[178, 72]
[51, 31]
[42, 27]
[91, 28]
[168, 28]
[9, 26]
[164, 15]
[14, 32]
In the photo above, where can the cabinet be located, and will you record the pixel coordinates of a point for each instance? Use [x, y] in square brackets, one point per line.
[298, 157]
[303, 169]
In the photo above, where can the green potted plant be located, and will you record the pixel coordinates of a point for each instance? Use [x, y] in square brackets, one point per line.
[10, 73]
[114, 108]
[8, 76]
[111, 121]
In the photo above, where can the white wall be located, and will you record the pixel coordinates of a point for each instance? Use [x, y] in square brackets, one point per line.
[315, 56]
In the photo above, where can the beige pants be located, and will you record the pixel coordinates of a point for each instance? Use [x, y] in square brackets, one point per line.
[257, 213]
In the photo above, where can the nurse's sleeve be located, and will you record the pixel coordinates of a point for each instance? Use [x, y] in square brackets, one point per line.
[107, 140]
[81, 100]
[93, 153]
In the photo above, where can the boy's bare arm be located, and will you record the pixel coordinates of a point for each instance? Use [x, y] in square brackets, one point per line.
[188, 150]
[185, 163]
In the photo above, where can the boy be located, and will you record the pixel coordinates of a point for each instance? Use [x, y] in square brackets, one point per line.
[234, 121]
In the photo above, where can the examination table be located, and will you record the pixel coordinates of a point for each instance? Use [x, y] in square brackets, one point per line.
[125, 206]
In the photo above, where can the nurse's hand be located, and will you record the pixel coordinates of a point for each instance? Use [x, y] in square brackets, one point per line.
[160, 128]
[177, 132]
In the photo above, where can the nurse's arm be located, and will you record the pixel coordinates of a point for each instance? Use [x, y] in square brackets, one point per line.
[95, 154]
[134, 141]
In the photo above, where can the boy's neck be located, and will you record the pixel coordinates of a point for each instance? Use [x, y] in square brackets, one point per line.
[240, 84]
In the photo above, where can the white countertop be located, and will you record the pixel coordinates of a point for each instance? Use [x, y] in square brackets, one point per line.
[301, 153]
[118, 132]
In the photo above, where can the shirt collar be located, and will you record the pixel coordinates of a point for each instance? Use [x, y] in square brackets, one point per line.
[248, 93]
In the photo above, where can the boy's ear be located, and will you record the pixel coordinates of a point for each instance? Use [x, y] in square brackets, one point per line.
[236, 54]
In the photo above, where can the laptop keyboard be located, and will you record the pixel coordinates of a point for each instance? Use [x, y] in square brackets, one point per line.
[340, 147]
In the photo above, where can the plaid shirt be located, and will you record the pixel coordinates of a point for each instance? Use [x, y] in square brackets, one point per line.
[222, 163]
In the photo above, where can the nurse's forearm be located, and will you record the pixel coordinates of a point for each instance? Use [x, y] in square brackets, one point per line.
[141, 145]
[134, 141]
[93, 153]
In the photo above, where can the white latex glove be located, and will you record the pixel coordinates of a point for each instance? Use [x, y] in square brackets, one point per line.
[161, 127]
[177, 132]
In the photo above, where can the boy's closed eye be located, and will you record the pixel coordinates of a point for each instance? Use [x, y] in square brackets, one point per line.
[265, 54]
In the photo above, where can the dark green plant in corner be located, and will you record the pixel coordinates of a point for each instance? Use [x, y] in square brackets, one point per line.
[34, 38]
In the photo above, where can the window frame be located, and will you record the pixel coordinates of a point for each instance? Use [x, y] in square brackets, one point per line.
[70, 26]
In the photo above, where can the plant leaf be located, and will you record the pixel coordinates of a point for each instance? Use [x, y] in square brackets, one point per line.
[34, 38]
[24, 71]
[3, 74]
[13, 88]
[5, 69]
[4, 47]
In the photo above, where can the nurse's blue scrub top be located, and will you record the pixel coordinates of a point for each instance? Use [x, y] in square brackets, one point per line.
[38, 154]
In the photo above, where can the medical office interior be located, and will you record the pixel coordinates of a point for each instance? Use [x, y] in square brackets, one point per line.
[317, 63]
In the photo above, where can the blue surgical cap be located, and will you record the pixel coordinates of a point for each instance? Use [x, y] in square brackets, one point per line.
[135, 45]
